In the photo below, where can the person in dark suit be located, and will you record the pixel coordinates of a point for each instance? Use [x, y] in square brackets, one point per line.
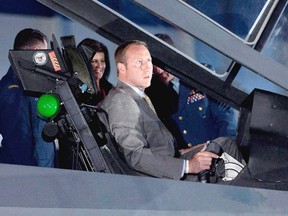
[145, 142]
[163, 96]
[191, 115]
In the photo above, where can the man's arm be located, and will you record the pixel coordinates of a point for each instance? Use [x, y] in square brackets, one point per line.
[17, 144]
[44, 152]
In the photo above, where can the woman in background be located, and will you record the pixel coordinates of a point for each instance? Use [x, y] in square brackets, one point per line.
[97, 60]
[101, 67]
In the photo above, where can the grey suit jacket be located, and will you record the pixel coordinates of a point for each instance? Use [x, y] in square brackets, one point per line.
[145, 142]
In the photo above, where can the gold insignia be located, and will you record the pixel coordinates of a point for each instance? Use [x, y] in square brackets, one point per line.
[13, 86]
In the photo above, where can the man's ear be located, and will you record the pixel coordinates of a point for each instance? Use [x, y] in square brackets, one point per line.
[121, 67]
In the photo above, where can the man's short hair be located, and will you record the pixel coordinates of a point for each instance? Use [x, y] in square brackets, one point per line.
[120, 53]
[165, 38]
[28, 38]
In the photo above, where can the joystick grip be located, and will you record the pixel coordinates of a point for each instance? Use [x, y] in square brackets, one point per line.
[204, 176]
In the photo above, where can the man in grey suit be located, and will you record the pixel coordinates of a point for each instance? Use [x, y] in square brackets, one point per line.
[147, 145]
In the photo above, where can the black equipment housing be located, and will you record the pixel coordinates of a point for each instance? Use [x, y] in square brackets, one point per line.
[64, 72]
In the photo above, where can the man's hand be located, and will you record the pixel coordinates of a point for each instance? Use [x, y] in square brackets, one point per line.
[201, 161]
[163, 76]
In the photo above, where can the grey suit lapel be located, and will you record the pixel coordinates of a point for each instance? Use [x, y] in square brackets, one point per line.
[137, 98]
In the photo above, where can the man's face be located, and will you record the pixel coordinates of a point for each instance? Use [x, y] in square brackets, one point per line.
[164, 76]
[137, 71]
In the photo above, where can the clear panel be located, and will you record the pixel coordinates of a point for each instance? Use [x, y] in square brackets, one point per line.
[184, 42]
[275, 48]
[277, 45]
[236, 16]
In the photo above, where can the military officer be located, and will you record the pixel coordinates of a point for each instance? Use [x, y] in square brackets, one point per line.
[200, 118]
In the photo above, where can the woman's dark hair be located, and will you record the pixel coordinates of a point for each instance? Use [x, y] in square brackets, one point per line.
[97, 46]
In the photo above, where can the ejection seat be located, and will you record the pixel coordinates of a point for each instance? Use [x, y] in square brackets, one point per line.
[108, 146]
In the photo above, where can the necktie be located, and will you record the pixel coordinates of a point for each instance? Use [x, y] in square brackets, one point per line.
[148, 101]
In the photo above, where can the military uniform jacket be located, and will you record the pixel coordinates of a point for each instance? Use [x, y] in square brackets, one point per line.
[145, 142]
[21, 128]
[200, 118]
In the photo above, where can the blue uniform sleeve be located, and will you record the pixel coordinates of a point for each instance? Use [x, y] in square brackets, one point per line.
[20, 127]
[225, 118]
[15, 126]
[44, 152]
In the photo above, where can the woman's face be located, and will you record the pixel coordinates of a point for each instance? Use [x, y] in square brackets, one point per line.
[98, 64]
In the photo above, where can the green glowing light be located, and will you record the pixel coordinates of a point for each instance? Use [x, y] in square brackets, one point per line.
[48, 105]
